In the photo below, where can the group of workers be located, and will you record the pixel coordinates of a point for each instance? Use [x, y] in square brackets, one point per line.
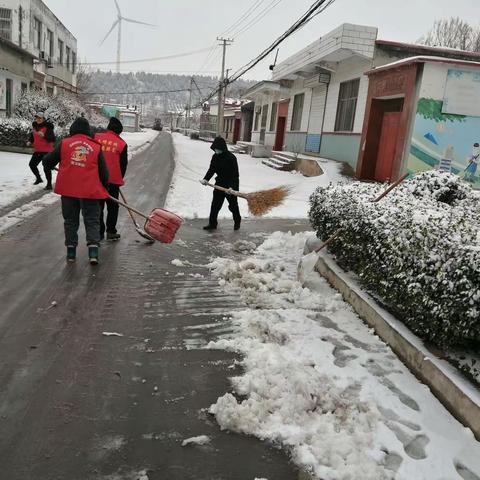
[91, 170]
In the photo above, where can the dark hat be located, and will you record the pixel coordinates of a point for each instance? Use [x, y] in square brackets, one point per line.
[115, 125]
[80, 126]
[219, 144]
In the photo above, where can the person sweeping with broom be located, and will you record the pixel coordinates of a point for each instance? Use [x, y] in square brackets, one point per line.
[224, 165]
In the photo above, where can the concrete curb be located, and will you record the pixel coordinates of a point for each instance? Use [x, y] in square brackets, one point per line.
[26, 150]
[459, 396]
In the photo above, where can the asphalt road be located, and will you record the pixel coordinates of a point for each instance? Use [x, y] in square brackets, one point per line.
[78, 405]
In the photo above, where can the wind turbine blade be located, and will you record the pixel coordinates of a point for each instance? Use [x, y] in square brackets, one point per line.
[136, 21]
[115, 23]
[118, 8]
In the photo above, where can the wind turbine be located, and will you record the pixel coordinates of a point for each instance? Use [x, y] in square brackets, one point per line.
[118, 23]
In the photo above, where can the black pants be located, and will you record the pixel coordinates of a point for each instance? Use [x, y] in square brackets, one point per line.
[217, 203]
[35, 161]
[90, 209]
[112, 211]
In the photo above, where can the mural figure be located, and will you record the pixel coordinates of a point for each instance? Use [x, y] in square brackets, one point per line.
[471, 170]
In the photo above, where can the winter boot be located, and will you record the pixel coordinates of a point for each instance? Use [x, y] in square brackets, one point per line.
[38, 181]
[237, 225]
[71, 253]
[210, 227]
[113, 237]
[48, 187]
[93, 254]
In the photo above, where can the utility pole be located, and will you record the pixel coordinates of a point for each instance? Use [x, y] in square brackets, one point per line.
[225, 42]
[187, 121]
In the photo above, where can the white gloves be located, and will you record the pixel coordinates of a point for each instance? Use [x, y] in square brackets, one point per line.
[203, 181]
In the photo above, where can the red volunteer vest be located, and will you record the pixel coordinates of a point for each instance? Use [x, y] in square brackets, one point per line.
[78, 170]
[39, 142]
[112, 147]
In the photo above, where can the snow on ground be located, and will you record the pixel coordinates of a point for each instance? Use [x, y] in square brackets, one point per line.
[16, 180]
[189, 199]
[320, 383]
[200, 440]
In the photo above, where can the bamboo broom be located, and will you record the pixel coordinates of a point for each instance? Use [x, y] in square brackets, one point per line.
[261, 202]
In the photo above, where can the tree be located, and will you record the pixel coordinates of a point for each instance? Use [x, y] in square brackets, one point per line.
[453, 32]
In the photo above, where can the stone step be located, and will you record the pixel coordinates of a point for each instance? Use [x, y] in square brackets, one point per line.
[268, 162]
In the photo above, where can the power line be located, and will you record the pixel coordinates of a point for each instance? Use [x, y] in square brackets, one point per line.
[137, 93]
[246, 14]
[315, 9]
[262, 14]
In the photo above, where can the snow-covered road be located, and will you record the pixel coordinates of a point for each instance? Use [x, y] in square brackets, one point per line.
[190, 199]
[321, 384]
[16, 181]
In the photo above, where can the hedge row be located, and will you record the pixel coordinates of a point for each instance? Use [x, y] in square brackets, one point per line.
[418, 250]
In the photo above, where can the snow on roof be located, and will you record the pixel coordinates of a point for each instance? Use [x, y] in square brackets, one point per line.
[421, 59]
[427, 48]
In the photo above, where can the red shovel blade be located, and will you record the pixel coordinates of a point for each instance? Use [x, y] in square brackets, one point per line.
[162, 225]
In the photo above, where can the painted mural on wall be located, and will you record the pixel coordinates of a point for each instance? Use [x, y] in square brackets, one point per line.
[445, 141]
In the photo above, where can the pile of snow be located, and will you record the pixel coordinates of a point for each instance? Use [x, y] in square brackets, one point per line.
[418, 249]
[200, 440]
[318, 382]
[137, 141]
[193, 159]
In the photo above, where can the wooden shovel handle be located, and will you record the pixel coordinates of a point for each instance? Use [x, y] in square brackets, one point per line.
[128, 207]
[129, 211]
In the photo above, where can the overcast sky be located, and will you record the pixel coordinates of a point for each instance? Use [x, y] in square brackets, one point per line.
[190, 25]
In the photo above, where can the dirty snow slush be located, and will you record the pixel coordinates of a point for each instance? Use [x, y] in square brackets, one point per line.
[319, 383]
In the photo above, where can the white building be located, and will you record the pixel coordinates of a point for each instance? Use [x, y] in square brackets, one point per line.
[316, 101]
[30, 28]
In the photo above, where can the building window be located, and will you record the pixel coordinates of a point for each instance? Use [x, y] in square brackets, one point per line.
[67, 51]
[20, 25]
[264, 116]
[60, 52]
[51, 45]
[37, 33]
[8, 97]
[257, 120]
[24, 87]
[273, 117]
[347, 105]
[6, 23]
[297, 111]
[74, 62]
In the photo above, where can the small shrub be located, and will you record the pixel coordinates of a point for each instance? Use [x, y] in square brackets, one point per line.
[418, 249]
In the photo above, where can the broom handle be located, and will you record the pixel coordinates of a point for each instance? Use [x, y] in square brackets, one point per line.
[129, 208]
[227, 190]
[339, 231]
[129, 211]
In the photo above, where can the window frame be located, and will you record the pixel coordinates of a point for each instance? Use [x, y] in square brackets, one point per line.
[297, 112]
[51, 43]
[273, 116]
[37, 33]
[347, 105]
[6, 24]
[67, 56]
[265, 110]
[60, 45]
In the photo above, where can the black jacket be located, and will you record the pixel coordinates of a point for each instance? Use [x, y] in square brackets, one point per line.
[49, 134]
[79, 126]
[224, 165]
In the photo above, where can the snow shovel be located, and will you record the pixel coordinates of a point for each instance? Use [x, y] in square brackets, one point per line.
[261, 202]
[139, 230]
[307, 263]
[161, 225]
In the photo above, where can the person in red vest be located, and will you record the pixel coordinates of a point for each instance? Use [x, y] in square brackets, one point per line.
[115, 152]
[42, 138]
[82, 182]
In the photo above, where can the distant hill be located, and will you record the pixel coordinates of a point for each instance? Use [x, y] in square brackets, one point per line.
[112, 82]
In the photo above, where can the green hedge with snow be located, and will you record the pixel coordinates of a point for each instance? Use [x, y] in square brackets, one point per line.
[417, 250]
